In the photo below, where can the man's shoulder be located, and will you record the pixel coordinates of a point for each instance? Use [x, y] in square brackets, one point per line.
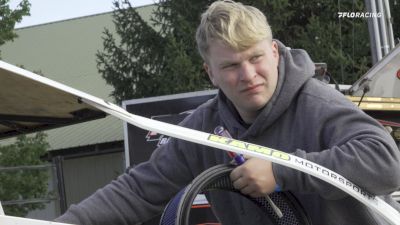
[320, 91]
[316, 95]
[208, 107]
[202, 114]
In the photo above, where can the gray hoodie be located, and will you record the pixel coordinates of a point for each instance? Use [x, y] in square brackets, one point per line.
[304, 117]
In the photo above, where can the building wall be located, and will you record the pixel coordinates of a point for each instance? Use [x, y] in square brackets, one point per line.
[84, 175]
[65, 51]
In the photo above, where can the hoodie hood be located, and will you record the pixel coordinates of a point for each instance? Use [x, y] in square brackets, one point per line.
[295, 67]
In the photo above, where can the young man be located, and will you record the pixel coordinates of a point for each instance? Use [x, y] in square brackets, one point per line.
[267, 97]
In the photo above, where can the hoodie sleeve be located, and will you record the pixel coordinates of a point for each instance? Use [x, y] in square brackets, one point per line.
[349, 142]
[137, 195]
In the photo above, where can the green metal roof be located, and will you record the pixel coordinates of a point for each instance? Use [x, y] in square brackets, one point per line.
[104, 130]
[93, 132]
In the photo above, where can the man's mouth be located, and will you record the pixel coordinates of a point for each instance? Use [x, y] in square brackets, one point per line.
[252, 88]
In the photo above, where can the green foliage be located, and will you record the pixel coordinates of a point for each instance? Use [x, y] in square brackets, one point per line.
[9, 17]
[23, 184]
[156, 57]
[147, 61]
[314, 25]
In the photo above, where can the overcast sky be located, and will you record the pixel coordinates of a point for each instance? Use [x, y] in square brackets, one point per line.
[45, 11]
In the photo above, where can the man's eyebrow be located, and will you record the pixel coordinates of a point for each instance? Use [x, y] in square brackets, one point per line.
[257, 52]
[228, 62]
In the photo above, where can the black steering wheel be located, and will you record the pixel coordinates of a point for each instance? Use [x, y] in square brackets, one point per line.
[216, 178]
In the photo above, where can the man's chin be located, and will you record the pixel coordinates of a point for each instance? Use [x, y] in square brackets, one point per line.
[254, 106]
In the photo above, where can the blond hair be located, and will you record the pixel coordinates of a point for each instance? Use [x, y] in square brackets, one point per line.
[236, 25]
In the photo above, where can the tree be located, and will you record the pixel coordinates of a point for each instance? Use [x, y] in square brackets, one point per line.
[147, 62]
[148, 58]
[339, 42]
[9, 17]
[16, 181]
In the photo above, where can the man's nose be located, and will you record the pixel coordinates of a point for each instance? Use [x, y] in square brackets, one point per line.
[247, 71]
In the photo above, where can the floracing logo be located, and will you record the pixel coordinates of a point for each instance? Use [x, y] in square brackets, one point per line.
[359, 14]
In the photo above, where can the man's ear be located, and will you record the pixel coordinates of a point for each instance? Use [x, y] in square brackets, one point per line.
[275, 53]
[275, 49]
[210, 75]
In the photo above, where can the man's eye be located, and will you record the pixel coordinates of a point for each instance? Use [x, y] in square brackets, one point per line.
[230, 65]
[255, 58]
